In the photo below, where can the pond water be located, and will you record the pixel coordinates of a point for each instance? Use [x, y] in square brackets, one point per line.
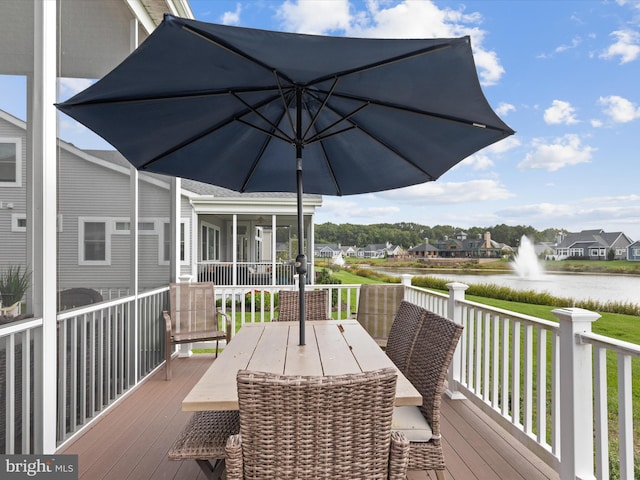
[579, 286]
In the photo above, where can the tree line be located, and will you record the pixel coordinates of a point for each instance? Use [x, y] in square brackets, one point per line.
[408, 234]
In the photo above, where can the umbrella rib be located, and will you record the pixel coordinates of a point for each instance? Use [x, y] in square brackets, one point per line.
[275, 126]
[254, 165]
[320, 134]
[376, 139]
[203, 133]
[230, 48]
[324, 103]
[406, 108]
[384, 63]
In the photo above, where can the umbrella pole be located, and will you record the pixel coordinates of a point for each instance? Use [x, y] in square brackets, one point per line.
[301, 263]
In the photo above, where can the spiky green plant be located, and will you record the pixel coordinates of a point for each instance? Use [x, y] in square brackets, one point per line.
[14, 283]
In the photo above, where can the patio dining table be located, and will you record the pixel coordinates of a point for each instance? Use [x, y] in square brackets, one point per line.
[333, 347]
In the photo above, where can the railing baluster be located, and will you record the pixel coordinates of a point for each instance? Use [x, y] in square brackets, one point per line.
[625, 417]
[528, 379]
[515, 374]
[601, 417]
[541, 374]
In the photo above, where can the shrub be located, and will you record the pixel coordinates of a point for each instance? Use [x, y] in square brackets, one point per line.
[257, 298]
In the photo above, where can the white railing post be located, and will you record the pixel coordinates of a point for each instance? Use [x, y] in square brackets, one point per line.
[576, 395]
[406, 279]
[454, 313]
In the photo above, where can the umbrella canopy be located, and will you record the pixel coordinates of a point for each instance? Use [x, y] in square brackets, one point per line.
[250, 109]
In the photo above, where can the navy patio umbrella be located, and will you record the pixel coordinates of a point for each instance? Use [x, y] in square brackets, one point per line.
[250, 110]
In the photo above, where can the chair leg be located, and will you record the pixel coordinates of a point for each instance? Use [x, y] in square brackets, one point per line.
[212, 472]
[217, 347]
[167, 363]
[440, 475]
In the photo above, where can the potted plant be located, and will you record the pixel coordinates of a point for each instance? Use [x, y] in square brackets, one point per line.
[14, 283]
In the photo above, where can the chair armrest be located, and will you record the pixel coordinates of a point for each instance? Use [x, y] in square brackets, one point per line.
[398, 456]
[227, 320]
[167, 322]
[233, 458]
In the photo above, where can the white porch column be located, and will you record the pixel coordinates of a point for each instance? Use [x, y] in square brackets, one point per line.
[234, 249]
[175, 220]
[274, 228]
[456, 292]
[42, 214]
[310, 249]
[134, 250]
[576, 395]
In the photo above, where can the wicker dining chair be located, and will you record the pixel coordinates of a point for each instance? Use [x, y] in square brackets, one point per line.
[309, 428]
[405, 326]
[429, 361]
[315, 305]
[204, 438]
[377, 306]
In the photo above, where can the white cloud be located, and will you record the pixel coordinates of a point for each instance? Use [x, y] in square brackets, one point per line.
[560, 112]
[619, 109]
[315, 16]
[503, 146]
[334, 208]
[232, 18]
[68, 87]
[478, 161]
[449, 193]
[595, 123]
[626, 47]
[574, 43]
[405, 19]
[505, 108]
[562, 152]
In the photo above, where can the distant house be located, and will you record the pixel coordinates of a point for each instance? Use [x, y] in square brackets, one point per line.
[633, 251]
[463, 247]
[373, 250]
[593, 245]
[349, 251]
[424, 250]
[326, 250]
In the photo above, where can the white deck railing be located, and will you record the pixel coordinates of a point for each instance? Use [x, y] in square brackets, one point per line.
[246, 273]
[544, 382]
[534, 377]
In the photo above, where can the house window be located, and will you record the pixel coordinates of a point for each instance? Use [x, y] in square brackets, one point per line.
[166, 243]
[636, 252]
[18, 222]
[210, 243]
[95, 242]
[10, 162]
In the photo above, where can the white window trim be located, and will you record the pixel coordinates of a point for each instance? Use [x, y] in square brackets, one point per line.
[155, 221]
[15, 217]
[213, 227]
[109, 226]
[18, 142]
[187, 242]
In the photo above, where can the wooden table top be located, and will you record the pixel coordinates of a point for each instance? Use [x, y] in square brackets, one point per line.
[332, 348]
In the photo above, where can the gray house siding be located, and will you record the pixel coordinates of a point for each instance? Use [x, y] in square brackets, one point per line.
[13, 244]
[81, 197]
[633, 251]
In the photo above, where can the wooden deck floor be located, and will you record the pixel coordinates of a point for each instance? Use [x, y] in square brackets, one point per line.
[132, 439]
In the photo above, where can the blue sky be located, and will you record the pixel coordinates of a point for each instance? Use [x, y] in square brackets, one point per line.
[564, 74]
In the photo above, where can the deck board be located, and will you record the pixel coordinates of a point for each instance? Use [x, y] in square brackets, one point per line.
[131, 440]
